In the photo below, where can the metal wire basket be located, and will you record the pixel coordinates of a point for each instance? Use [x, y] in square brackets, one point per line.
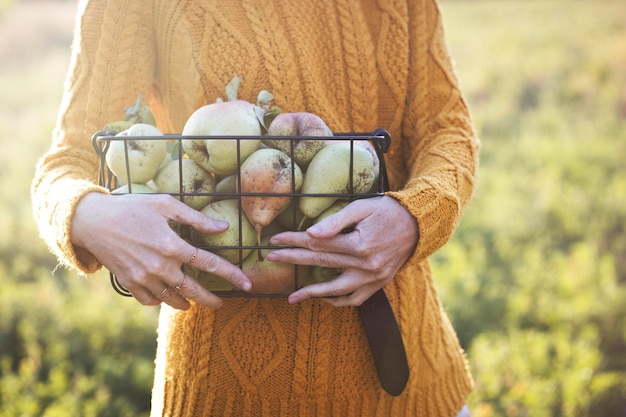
[379, 139]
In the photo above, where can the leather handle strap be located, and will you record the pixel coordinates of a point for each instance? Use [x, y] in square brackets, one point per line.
[385, 342]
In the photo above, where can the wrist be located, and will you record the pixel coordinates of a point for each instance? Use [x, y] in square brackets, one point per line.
[84, 211]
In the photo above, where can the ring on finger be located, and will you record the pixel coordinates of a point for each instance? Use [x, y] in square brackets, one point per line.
[181, 284]
[193, 256]
[164, 292]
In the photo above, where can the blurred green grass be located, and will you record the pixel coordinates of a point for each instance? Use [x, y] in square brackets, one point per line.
[535, 277]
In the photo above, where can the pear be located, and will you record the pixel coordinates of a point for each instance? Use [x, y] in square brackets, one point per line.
[228, 210]
[226, 187]
[267, 171]
[196, 186]
[196, 150]
[329, 173]
[144, 157]
[366, 144]
[298, 124]
[268, 277]
[228, 118]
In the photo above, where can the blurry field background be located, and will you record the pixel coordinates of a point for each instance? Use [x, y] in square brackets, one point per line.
[534, 279]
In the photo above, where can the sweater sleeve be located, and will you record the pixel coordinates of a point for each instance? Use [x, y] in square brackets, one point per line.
[440, 144]
[112, 61]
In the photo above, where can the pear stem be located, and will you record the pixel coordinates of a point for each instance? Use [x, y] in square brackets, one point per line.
[259, 229]
[301, 224]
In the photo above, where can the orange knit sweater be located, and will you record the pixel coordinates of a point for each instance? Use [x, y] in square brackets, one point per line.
[360, 65]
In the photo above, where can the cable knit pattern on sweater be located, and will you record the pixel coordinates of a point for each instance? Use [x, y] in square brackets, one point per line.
[360, 65]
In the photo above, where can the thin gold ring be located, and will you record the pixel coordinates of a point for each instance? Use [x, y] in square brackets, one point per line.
[164, 291]
[193, 257]
[181, 284]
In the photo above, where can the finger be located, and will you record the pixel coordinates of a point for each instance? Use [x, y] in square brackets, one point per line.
[342, 243]
[190, 289]
[351, 300]
[143, 296]
[168, 295]
[341, 286]
[301, 256]
[339, 222]
[182, 213]
[192, 258]
[139, 292]
[214, 264]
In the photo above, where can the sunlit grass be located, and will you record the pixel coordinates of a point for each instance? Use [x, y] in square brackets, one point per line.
[525, 277]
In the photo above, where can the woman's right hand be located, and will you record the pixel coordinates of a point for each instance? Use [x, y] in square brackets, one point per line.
[130, 235]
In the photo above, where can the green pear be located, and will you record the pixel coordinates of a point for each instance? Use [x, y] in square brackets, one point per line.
[268, 171]
[196, 150]
[226, 187]
[196, 187]
[329, 173]
[365, 144]
[230, 118]
[144, 157]
[228, 210]
[298, 124]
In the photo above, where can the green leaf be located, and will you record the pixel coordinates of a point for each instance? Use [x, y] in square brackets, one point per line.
[265, 99]
[232, 88]
[131, 112]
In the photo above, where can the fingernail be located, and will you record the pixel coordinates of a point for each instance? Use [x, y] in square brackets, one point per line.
[245, 285]
[314, 230]
[294, 299]
[223, 224]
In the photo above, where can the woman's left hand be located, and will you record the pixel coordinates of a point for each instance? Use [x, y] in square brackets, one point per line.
[369, 240]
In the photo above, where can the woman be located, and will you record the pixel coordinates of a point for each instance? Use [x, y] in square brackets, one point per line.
[359, 65]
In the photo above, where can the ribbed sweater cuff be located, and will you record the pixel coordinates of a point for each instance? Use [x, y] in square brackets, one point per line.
[436, 213]
[72, 256]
